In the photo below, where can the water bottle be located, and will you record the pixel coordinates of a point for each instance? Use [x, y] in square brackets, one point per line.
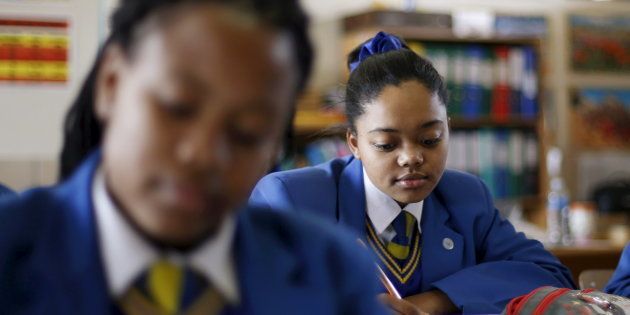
[558, 232]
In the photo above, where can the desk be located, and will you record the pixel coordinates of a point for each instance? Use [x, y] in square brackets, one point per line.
[591, 256]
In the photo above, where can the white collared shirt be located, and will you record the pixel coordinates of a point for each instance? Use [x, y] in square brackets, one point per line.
[126, 255]
[383, 209]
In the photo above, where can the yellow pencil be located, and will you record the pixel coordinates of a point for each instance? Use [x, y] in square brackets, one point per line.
[381, 274]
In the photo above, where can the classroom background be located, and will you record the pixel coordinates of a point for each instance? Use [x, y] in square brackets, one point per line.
[539, 100]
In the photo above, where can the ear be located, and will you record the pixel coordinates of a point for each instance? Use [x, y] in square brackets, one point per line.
[108, 81]
[353, 143]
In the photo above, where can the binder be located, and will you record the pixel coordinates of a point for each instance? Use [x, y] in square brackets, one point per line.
[472, 88]
[529, 96]
[501, 90]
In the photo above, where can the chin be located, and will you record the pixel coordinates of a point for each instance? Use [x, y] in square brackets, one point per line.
[407, 198]
[180, 233]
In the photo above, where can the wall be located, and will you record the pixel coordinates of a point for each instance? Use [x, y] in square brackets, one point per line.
[31, 115]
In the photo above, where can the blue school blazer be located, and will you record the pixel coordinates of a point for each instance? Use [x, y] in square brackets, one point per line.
[619, 283]
[50, 260]
[490, 262]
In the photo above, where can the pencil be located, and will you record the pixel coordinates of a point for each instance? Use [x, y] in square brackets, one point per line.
[383, 277]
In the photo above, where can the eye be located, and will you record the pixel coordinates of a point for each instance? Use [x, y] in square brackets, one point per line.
[385, 147]
[431, 142]
[249, 129]
[179, 109]
[246, 137]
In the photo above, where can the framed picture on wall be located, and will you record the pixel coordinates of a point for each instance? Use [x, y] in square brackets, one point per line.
[600, 43]
[600, 118]
[34, 49]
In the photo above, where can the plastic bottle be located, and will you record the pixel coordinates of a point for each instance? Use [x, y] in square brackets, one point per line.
[558, 232]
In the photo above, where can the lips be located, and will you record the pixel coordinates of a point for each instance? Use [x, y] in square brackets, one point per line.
[412, 181]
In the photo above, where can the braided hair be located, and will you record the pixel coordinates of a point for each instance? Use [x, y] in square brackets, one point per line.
[82, 132]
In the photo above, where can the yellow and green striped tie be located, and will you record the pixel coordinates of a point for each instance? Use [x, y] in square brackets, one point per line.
[400, 245]
[163, 289]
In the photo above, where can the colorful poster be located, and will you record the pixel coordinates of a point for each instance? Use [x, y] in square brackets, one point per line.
[600, 43]
[34, 50]
[601, 118]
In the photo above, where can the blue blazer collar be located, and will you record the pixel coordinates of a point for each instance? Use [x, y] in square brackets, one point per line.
[79, 248]
[351, 197]
[439, 259]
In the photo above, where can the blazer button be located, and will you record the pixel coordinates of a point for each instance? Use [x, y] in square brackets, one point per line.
[448, 243]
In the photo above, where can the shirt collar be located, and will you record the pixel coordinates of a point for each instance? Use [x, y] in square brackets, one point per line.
[383, 209]
[126, 254]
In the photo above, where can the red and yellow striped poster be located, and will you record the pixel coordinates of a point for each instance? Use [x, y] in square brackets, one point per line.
[34, 50]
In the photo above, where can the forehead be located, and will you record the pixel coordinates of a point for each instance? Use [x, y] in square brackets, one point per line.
[410, 103]
[215, 45]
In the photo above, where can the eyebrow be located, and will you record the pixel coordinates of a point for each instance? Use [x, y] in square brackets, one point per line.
[426, 125]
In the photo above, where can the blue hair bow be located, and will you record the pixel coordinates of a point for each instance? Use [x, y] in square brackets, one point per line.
[381, 43]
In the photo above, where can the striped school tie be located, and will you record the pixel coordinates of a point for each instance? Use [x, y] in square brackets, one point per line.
[400, 245]
[167, 289]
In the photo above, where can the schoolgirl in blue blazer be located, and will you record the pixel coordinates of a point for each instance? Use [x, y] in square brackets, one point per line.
[435, 232]
[182, 96]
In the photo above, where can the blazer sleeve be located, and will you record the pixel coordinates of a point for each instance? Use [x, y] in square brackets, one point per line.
[619, 283]
[508, 265]
[271, 193]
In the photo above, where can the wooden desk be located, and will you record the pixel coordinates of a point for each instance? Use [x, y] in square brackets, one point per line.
[592, 256]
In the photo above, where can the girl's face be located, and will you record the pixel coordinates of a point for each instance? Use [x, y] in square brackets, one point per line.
[402, 141]
[193, 118]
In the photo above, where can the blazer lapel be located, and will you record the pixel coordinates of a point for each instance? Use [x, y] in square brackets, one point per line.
[81, 255]
[351, 198]
[442, 247]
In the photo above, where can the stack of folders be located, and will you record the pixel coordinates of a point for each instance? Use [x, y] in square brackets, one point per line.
[505, 159]
[486, 81]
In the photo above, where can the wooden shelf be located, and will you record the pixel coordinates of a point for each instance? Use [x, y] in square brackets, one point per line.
[427, 27]
[414, 34]
[313, 121]
[514, 122]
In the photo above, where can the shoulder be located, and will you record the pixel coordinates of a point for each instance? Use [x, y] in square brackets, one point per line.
[321, 173]
[5, 191]
[458, 186]
[312, 189]
[27, 219]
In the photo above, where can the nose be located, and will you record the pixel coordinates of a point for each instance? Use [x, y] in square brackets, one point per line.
[410, 157]
[204, 146]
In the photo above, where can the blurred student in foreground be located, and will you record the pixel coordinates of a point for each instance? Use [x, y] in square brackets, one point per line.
[184, 110]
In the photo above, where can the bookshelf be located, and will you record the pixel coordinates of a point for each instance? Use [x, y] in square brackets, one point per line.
[506, 129]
